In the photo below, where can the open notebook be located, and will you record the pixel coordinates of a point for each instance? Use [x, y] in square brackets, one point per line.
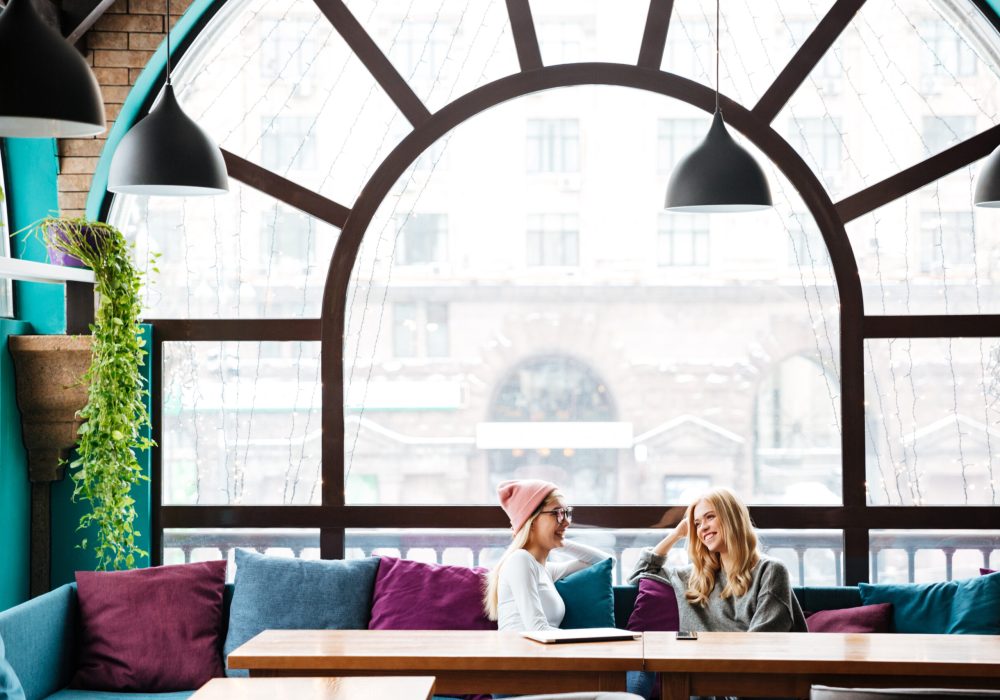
[595, 634]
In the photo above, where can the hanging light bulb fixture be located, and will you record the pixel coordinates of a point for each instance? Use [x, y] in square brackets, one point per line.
[47, 90]
[719, 175]
[988, 182]
[167, 153]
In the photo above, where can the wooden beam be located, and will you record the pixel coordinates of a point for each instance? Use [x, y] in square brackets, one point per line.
[654, 36]
[529, 55]
[374, 60]
[95, 14]
[923, 173]
[806, 58]
[284, 190]
[234, 329]
[951, 326]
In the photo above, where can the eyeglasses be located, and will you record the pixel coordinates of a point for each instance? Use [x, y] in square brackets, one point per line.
[561, 514]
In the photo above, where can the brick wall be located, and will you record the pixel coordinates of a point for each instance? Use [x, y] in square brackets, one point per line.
[118, 47]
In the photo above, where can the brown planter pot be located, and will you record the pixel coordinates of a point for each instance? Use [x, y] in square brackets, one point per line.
[49, 394]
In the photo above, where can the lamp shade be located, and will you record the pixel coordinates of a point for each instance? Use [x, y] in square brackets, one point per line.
[47, 90]
[718, 176]
[166, 153]
[988, 183]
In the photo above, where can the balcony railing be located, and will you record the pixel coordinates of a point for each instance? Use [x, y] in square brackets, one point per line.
[483, 547]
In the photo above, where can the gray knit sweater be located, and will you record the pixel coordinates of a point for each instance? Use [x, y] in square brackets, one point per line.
[768, 605]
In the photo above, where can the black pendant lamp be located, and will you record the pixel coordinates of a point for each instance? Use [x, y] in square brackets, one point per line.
[166, 153]
[988, 183]
[718, 176]
[47, 90]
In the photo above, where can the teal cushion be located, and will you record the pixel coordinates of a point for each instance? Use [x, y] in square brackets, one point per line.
[10, 687]
[283, 593]
[589, 598]
[970, 606]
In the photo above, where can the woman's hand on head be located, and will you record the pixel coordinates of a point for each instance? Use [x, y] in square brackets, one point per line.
[681, 529]
[679, 532]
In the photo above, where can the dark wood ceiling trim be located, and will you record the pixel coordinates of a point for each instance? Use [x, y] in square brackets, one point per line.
[284, 190]
[374, 60]
[522, 26]
[951, 326]
[806, 58]
[232, 329]
[915, 177]
[654, 36]
[95, 14]
[627, 516]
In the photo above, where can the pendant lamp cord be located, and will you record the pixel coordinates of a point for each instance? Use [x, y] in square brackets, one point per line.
[716, 54]
[168, 41]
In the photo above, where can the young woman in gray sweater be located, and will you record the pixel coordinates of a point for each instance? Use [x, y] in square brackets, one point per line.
[729, 586]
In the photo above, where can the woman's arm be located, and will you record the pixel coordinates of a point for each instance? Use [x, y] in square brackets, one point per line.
[583, 556]
[519, 576]
[775, 609]
[651, 561]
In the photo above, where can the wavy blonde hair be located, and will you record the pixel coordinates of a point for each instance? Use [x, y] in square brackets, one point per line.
[491, 594]
[741, 548]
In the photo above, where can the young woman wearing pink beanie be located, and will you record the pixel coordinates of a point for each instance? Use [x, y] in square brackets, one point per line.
[520, 591]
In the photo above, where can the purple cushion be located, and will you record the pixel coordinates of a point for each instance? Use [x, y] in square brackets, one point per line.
[655, 608]
[412, 595]
[985, 572]
[863, 618]
[150, 630]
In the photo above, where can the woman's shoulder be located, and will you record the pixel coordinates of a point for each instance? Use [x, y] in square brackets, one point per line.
[519, 562]
[771, 569]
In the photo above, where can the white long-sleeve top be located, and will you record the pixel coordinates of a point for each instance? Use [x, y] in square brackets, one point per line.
[527, 598]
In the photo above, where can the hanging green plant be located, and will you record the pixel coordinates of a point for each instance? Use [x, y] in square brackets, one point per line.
[106, 467]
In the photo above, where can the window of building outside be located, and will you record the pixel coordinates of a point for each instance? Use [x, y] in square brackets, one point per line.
[940, 132]
[420, 329]
[553, 145]
[553, 240]
[683, 240]
[422, 239]
[947, 241]
[628, 383]
[675, 139]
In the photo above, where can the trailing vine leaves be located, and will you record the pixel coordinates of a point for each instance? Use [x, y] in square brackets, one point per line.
[106, 467]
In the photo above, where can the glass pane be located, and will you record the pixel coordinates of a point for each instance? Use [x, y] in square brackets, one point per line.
[276, 84]
[573, 354]
[930, 252]
[442, 48]
[905, 80]
[931, 421]
[6, 284]
[813, 557]
[241, 423]
[758, 38]
[922, 556]
[240, 255]
[183, 546]
[576, 32]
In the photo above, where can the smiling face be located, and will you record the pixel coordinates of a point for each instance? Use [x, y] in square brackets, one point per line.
[708, 527]
[546, 531]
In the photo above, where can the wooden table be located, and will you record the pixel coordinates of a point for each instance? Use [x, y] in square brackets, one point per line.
[462, 661]
[401, 687]
[786, 664]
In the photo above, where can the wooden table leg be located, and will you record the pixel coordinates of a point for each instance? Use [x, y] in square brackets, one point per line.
[675, 686]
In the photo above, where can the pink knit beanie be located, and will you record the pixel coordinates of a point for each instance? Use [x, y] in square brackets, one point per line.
[521, 497]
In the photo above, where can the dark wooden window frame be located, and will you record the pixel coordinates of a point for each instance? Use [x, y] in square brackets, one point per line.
[333, 517]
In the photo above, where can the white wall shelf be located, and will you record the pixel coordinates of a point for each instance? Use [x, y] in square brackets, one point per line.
[29, 271]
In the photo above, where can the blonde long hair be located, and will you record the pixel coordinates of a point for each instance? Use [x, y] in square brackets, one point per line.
[491, 595]
[741, 548]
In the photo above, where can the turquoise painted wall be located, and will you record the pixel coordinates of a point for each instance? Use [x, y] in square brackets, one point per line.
[31, 165]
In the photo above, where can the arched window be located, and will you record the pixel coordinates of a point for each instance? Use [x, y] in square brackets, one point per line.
[430, 211]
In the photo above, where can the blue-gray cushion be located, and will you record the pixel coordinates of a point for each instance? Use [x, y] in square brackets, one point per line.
[10, 686]
[971, 606]
[284, 593]
[42, 628]
[71, 694]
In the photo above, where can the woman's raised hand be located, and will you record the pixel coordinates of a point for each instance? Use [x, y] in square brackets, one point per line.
[679, 532]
